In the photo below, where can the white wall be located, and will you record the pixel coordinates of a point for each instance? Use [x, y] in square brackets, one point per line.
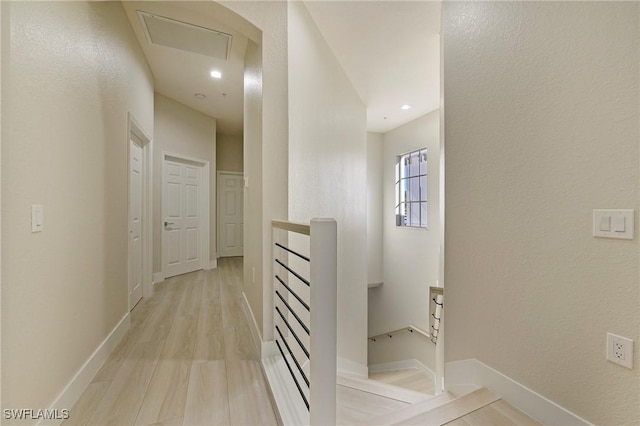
[410, 254]
[181, 130]
[268, 186]
[541, 127]
[229, 153]
[327, 170]
[71, 73]
[374, 208]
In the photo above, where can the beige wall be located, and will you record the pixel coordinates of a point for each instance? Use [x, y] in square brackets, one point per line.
[411, 255]
[328, 170]
[71, 72]
[270, 159]
[181, 130]
[252, 153]
[541, 127]
[374, 208]
[229, 153]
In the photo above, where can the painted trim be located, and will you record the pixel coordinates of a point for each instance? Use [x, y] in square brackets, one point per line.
[402, 365]
[288, 403]
[346, 366]
[253, 324]
[266, 349]
[77, 385]
[205, 193]
[158, 277]
[134, 128]
[471, 372]
[269, 349]
[213, 264]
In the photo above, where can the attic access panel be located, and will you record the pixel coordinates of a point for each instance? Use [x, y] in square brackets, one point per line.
[184, 36]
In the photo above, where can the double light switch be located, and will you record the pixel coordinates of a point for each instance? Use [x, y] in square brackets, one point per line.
[613, 224]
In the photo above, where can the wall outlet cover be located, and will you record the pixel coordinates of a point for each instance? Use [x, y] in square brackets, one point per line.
[620, 350]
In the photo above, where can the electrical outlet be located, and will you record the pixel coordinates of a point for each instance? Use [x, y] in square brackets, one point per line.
[620, 350]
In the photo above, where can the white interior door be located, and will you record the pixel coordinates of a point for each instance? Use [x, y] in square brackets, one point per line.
[183, 218]
[230, 215]
[135, 224]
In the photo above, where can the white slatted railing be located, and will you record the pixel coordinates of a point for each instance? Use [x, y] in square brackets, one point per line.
[305, 311]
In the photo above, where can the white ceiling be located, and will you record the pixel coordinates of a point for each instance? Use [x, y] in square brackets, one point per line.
[179, 74]
[390, 50]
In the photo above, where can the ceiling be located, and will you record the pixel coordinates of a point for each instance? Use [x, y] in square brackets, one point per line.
[390, 50]
[179, 74]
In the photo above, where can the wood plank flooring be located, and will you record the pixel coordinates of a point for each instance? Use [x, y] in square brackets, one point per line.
[187, 359]
[498, 413]
[410, 378]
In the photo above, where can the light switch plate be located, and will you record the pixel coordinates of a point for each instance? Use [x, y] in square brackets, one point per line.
[621, 224]
[37, 218]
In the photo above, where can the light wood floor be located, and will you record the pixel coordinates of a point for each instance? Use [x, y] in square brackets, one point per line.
[498, 413]
[410, 378]
[188, 359]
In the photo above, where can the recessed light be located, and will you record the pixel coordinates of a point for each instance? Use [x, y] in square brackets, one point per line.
[216, 74]
[405, 106]
[199, 96]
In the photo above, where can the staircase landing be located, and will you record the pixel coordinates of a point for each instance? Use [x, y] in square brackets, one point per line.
[370, 402]
[409, 378]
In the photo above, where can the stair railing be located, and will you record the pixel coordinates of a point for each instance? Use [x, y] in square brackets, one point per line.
[436, 294]
[410, 328]
[305, 311]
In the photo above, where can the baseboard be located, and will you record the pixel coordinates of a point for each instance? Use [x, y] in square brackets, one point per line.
[213, 264]
[272, 398]
[158, 277]
[471, 372]
[346, 366]
[70, 394]
[253, 324]
[288, 404]
[402, 365]
[269, 349]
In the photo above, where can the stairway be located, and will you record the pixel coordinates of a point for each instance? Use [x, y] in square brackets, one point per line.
[370, 402]
[410, 378]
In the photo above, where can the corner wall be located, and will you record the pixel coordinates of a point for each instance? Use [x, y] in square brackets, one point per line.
[252, 154]
[229, 153]
[272, 136]
[374, 208]
[541, 127]
[71, 73]
[328, 171]
[182, 130]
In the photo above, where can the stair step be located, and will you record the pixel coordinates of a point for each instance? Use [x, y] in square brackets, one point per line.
[409, 378]
[454, 409]
[410, 411]
[383, 389]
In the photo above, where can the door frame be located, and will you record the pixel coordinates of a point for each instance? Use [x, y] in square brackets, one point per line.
[135, 131]
[205, 214]
[218, 204]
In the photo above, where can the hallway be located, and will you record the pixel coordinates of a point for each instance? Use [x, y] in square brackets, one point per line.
[187, 359]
